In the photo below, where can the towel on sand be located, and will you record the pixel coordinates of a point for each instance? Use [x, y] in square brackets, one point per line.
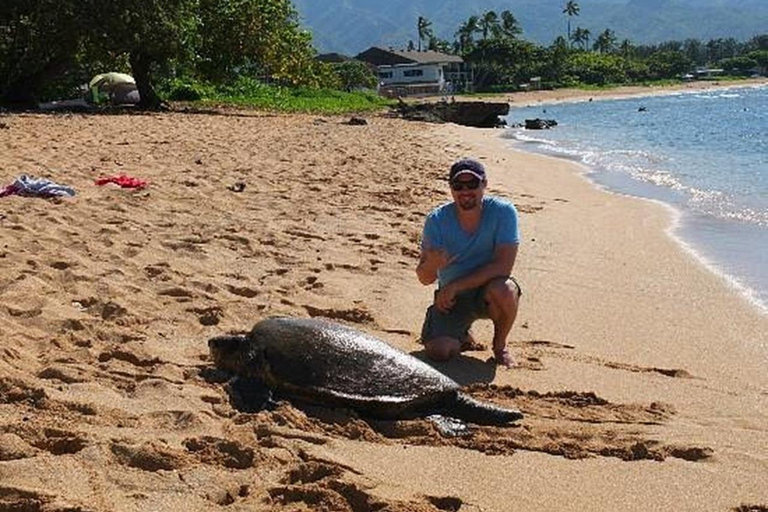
[36, 187]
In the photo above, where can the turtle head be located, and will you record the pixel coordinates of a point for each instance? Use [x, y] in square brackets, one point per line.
[227, 352]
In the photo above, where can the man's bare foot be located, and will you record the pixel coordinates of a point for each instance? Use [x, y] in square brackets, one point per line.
[503, 358]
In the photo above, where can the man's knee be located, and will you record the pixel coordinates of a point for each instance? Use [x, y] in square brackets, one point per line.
[503, 293]
[441, 349]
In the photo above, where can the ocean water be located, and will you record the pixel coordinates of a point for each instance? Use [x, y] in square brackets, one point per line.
[705, 154]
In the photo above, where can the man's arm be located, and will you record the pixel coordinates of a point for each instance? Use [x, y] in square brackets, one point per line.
[501, 266]
[430, 262]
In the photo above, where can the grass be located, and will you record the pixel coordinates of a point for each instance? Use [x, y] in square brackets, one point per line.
[253, 94]
[317, 101]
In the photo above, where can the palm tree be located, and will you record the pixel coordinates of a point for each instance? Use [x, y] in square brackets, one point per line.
[580, 36]
[626, 48]
[466, 34]
[489, 23]
[509, 25]
[571, 9]
[425, 30]
[606, 41]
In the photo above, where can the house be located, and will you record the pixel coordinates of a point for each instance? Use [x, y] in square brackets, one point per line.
[708, 73]
[404, 73]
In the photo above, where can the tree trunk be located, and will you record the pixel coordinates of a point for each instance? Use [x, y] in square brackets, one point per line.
[140, 67]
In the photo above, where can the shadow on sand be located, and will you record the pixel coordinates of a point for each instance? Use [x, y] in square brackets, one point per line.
[463, 369]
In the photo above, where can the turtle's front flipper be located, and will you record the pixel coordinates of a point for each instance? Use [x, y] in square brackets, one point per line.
[482, 413]
[250, 395]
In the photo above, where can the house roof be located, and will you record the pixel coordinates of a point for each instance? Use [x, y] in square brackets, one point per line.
[381, 57]
[332, 57]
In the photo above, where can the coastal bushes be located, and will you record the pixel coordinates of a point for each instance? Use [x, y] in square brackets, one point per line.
[501, 60]
[185, 49]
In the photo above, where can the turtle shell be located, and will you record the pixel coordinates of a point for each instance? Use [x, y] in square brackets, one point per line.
[329, 363]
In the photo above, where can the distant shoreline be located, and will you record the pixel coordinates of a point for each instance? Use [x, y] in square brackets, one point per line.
[533, 98]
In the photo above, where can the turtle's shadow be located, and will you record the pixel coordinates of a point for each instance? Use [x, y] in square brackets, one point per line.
[463, 369]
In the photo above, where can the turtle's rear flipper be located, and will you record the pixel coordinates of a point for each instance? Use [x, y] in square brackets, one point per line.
[448, 426]
[250, 395]
[482, 413]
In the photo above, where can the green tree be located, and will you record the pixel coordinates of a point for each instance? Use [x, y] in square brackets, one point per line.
[694, 50]
[261, 38]
[489, 24]
[597, 69]
[354, 74]
[718, 49]
[760, 57]
[465, 36]
[668, 64]
[39, 40]
[580, 36]
[757, 43]
[741, 65]
[149, 32]
[571, 9]
[554, 68]
[424, 27]
[509, 25]
[627, 49]
[439, 45]
[605, 42]
[504, 61]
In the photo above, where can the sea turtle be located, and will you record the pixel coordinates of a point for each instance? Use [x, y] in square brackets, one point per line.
[329, 364]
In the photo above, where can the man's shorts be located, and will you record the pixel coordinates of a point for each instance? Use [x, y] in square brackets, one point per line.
[470, 306]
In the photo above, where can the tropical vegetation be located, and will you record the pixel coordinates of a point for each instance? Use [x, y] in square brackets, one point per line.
[500, 59]
[189, 49]
[255, 52]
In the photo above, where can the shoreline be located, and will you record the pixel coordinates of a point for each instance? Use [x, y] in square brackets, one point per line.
[676, 223]
[534, 98]
[636, 366]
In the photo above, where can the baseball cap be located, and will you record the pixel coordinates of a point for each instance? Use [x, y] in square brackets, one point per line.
[467, 166]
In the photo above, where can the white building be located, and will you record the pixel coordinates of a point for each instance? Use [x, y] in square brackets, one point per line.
[403, 73]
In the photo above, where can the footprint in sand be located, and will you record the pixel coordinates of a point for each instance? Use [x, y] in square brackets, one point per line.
[354, 315]
[220, 452]
[149, 456]
[210, 315]
[528, 208]
[13, 447]
[242, 291]
[58, 442]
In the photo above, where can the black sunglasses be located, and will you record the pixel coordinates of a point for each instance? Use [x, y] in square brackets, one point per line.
[472, 184]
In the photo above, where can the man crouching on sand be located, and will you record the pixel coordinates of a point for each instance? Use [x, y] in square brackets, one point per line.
[469, 246]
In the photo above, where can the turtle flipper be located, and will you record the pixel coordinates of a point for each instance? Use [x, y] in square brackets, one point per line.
[250, 395]
[482, 413]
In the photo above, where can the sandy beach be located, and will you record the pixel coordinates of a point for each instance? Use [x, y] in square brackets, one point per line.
[641, 374]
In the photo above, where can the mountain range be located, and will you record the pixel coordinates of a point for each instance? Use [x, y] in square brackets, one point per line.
[351, 26]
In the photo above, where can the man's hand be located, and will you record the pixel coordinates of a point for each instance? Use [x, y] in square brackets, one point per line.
[445, 298]
[430, 263]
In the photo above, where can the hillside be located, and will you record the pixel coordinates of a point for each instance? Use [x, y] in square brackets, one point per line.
[350, 26]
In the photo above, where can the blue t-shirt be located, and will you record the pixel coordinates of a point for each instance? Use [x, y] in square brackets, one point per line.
[442, 230]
